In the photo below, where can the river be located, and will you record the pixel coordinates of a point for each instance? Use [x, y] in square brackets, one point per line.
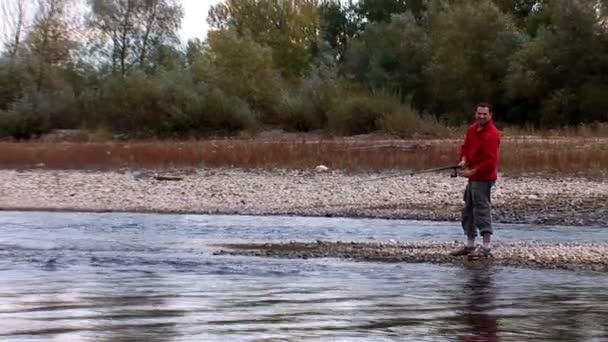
[149, 277]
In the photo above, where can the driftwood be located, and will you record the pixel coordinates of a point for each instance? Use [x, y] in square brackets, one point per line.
[404, 147]
[168, 178]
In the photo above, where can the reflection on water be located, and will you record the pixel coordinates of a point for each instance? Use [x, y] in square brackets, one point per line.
[479, 318]
[118, 277]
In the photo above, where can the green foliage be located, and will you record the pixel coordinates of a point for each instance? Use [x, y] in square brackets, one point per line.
[558, 108]
[288, 27]
[243, 68]
[129, 104]
[383, 10]
[299, 112]
[357, 114]
[307, 65]
[228, 114]
[520, 10]
[368, 112]
[562, 70]
[594, 102]
[9, 86]
[470, 44]
[306, 105]
[169, 105]
[22, 127]
[36, 113]
[391, 56]
[530, 68]
[339, 25]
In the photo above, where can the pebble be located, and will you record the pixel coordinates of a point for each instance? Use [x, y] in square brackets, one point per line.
[574, 256]
[532, 200]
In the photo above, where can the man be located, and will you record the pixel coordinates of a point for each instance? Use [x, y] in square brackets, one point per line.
[479, 163]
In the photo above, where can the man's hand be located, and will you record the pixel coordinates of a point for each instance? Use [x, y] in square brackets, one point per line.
[467, 172]
[462, 164]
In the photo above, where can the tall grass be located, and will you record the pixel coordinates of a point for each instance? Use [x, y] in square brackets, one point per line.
[573, 156]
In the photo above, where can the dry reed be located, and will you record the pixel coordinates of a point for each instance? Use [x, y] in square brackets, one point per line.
[582, 156]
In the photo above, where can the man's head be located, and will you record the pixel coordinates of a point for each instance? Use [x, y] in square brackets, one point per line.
[483, 113]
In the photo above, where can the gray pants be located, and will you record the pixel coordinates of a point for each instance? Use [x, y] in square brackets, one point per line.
[476, 214]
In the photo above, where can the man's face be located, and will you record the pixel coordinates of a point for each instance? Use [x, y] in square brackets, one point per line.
[483, 115]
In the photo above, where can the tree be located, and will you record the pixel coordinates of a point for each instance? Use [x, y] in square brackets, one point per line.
[561, 73]
[289, 27]
[160, 21]
[50, 42]
[195, 49]
[382, 10]
[243, 68]
[13, 14]
[339, 25]
[469, 49]
[115, 20]
[391, 56]
[130, 29]
[519, 9]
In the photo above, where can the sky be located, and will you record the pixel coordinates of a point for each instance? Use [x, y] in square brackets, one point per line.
[194, 24]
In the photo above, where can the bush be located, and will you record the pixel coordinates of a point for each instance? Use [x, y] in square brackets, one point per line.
[242, 68]
[170, 104]
[299, 112]
[305, 107]
[228, 114]
[182, 104]
[357, 114]
[37, 113]
[405, 122]
[9, 85]
[361, 112]
[594, 102]
[557, 109]
[22, 126]
[129, 104]
[366, 113]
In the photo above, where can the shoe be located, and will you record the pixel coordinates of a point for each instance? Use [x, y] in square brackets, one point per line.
[481, 252]
[463, 251]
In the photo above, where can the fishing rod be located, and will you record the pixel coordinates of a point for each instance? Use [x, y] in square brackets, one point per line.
[436, 169]
[454, 169]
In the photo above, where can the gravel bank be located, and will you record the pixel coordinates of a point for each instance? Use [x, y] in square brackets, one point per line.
[571, 256]
[432, 196]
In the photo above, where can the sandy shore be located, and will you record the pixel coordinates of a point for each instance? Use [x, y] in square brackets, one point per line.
[432, 196]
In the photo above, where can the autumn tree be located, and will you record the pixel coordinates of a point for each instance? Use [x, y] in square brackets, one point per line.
[289, 27]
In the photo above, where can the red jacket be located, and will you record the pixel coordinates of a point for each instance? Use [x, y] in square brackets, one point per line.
[481, 151]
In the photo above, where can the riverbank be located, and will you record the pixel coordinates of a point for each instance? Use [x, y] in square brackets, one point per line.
[532, 199]
[567, 256]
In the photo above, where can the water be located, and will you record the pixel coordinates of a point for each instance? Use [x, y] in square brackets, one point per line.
[132, 277]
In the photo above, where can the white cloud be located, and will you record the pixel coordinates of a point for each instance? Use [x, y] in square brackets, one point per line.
[194, 24]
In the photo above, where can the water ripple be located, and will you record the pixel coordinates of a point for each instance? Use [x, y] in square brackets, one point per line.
[130, 277]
